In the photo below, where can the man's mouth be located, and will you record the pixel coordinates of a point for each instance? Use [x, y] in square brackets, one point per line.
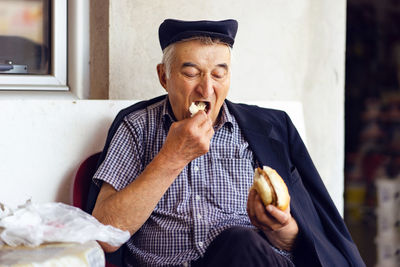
[199, 105]
[203, 105]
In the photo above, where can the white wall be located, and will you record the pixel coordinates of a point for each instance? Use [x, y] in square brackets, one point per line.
[42, 143]
[285, 50]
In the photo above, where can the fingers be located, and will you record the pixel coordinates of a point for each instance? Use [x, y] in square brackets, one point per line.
[203, 125]
[255, 210]
[206, 123]
[189, 138]
[280, 216]
[268, 218]
[279, 226]
[263, 217]
[201, 119]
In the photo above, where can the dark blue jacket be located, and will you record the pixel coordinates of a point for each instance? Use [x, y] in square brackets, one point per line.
[323, 238]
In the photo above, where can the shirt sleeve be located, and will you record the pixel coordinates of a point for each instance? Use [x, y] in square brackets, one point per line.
[122, 163]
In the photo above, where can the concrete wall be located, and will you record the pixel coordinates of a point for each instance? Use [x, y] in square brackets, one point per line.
[285, 50]
[42, 143]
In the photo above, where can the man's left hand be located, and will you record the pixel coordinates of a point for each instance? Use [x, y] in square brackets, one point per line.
[279, 226]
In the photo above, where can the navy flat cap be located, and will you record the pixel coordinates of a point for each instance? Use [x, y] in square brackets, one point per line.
[172, 30]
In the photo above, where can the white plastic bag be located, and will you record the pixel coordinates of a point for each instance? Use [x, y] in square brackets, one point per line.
[34, 224]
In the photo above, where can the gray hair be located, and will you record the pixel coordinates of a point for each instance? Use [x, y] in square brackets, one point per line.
[169, 51]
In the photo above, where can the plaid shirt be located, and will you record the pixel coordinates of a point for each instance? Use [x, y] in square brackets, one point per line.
[208, 196]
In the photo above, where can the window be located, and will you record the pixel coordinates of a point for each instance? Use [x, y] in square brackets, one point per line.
[25, 37]
[49, 48]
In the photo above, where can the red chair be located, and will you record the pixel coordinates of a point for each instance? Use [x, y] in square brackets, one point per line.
[82, 183]
[83, 179]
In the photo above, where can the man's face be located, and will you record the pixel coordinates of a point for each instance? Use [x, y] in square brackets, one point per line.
[199, 72]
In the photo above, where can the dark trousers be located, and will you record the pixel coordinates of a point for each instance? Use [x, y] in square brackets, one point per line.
[238, 247]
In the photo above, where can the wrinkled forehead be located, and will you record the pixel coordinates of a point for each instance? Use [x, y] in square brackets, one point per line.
[197, 51]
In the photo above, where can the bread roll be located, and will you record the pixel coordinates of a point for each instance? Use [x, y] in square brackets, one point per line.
[271, 187]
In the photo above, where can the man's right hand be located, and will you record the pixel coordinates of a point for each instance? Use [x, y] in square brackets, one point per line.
[130, 207]
[188, 139]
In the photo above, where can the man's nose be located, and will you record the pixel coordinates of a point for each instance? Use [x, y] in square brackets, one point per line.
[205, 87]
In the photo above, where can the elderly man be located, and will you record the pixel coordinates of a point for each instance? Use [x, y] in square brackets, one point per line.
[179, 183]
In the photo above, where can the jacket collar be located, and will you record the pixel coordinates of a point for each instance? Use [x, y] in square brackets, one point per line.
[258, 132]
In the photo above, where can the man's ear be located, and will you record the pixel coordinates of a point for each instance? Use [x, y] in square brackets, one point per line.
[162, 75]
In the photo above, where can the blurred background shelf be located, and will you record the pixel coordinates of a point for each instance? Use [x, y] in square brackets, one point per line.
[372, 123]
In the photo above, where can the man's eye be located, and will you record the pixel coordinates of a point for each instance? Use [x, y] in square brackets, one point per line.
[219, 74]
[190, 74]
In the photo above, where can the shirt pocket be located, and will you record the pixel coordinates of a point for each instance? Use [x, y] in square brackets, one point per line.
[230, 181]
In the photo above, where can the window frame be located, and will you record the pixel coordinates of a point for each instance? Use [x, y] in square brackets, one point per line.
[70, 55]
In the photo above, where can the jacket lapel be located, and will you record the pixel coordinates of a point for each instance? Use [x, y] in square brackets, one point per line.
[257, 131]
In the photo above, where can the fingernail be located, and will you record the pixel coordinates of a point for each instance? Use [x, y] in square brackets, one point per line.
[269, 208]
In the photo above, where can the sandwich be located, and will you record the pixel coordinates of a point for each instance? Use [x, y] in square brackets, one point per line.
[271, 188]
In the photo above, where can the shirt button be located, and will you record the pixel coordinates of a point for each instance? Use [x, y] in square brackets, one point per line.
[185, 264]
[199, 216]
[200, 244]
[198, 197]
[196, 168]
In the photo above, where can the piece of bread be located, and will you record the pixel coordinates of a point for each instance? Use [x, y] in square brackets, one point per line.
[271, 187]
[193, 109]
